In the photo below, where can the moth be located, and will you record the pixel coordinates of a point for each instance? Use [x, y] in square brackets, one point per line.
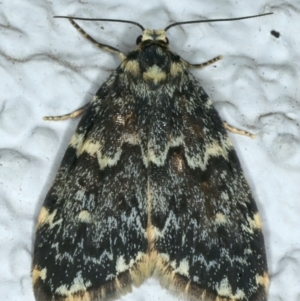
[150, 185]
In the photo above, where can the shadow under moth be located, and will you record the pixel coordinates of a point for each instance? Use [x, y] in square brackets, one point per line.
[150, 185]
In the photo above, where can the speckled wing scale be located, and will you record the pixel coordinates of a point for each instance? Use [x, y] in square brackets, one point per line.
[150, 185]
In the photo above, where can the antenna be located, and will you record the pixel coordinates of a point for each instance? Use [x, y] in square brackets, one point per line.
[109, 20]
[215, 20]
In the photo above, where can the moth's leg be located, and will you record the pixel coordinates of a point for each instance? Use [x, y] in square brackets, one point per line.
[202, 65]
[226, 125]
[67, 116]
[105, 47]
[237, 131]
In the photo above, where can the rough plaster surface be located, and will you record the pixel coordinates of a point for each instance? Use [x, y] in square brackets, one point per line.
[47, 68]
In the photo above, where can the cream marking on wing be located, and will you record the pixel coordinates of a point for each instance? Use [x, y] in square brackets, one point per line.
[94, 148]
[121, 266]
[211, 150]
[171, 219]
[173, 264]
[46, 218]
[77, 286]
[224, 290]
[263, 280]
[160, 159]
[91, 147]
[77, 142]
[138, 268]
[139, 257]
[132, 139]
[221, 219]
[105, 161]
[85, 216]
[38, 274]
[183, 268]
[164, 257]
[254, 223]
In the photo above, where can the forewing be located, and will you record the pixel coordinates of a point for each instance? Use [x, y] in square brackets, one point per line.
[206, 230]
[90, 235]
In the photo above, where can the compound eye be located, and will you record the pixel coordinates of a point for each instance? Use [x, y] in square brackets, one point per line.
[139, 40]
[167, 40]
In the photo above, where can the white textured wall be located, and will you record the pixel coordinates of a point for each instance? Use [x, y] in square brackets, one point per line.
[47, 68]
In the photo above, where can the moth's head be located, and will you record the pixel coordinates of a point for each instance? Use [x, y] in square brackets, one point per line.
[155, 36]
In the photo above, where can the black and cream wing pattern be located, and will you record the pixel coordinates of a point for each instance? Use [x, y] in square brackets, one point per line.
[150, 185]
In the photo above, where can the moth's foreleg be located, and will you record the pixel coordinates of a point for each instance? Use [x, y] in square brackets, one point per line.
[237, 131]
[67, 116]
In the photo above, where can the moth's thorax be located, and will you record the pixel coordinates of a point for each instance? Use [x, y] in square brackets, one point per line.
[153, 61]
